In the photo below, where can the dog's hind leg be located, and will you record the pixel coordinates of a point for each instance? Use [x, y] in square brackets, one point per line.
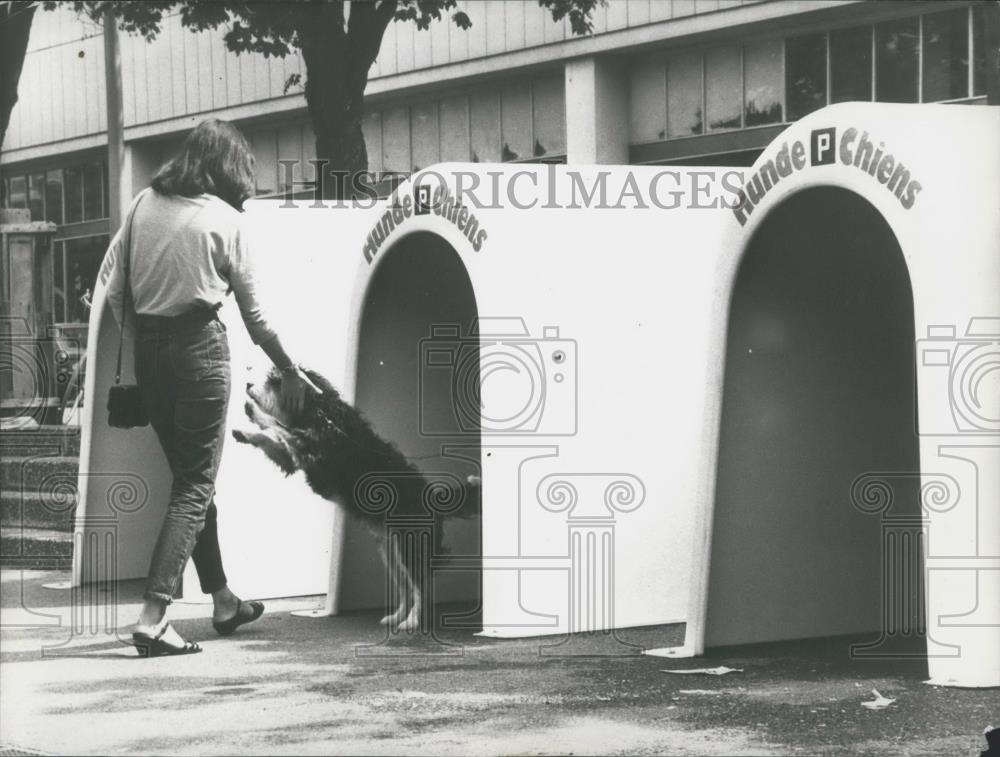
[417, 569]
[398, 586]
[412, 622]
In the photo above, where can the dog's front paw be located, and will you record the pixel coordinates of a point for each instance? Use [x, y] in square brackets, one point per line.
[240, 436]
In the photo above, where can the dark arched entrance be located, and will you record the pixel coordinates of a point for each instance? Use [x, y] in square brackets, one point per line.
[819, 389]
[419, 301]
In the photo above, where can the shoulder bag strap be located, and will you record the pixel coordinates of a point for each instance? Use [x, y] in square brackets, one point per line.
[126, 251]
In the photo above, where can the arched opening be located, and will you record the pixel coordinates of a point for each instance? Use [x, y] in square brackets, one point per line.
[419, 308]
[819, 390]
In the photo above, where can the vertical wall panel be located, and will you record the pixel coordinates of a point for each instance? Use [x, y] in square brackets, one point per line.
[496, 26]
[396, 140]
[137, 75]
[406, 54]
[153, 67]
[128, 81]
[248, 79]
[535, 19]
[233, 81]
[261, 76]
[476, 33]
[102, 84]
[661, 10]
[275, 77]
[220, 89]
[458, 41]
[58, 95]
[205, 78]
[192, 72]
[557, 31]
[422, 55]
[439, 34]
[681, 8]
[514, 24]
[454, 120]
[424, 140]
[45, 94]
[80, 95]
[386, 60]
[638, 12]
[178, 78]
[617, 16]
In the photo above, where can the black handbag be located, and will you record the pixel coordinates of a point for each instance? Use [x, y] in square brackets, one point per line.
[125, 408]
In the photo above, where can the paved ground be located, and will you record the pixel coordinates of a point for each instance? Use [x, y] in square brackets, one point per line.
[290, 685]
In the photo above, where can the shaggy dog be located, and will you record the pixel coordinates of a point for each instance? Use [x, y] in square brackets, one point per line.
[345, 461]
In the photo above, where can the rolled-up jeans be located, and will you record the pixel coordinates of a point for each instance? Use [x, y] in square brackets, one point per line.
[182, 368]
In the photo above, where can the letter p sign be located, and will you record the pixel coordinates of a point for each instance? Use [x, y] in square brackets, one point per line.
[821, 146]
[422, 200]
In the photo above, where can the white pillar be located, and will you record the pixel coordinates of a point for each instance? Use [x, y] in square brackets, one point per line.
[596, 112]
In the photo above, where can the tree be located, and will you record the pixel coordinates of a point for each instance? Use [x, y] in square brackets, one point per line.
[15, 28]
[338, 40]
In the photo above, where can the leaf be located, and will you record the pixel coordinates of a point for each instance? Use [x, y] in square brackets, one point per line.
[292, 81]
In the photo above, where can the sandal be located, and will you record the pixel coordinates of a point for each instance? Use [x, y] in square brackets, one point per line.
[154, 646]
[226, 627]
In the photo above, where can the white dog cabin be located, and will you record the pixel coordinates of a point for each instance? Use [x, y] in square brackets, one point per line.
[775, 420]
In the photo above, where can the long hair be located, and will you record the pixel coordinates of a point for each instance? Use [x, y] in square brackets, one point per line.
[214, 159]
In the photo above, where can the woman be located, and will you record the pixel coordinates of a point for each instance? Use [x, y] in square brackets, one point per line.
[188, 252]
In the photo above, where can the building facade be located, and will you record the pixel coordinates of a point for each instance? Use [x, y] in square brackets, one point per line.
[683, 82]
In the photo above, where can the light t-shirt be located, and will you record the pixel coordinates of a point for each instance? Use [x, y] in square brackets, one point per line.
[187, 252]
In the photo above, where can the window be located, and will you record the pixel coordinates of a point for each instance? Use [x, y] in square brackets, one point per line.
[647, 101]
[805, 75]
[851, 65]
[73, 193]
[454, 116]
[93, 192]
[18, 192]
[484, 111]
[946, 55]
[76, 267]
[515, 122]
[722, 88]
[897, 46]
[762, 83]
[548, 99]
[54, 196]
[36, 196]
[684, 91]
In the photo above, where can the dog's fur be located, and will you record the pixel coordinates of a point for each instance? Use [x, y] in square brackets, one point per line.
[340, 454]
